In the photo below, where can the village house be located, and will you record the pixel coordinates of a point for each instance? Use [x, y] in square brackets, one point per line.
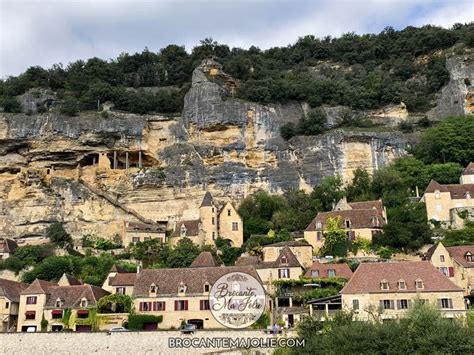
[213, 222]
[457, 263]
[9, 304]
[120, 281]
[7, 247]
[181, 295]
[327, 270]
[301, 249]
[47, 302]
[450, 205]
[359, 220]
[385, 291]
[135, 232]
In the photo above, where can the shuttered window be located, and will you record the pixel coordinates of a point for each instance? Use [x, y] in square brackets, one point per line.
[181, 305]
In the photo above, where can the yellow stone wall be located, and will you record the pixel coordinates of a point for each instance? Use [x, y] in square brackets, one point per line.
[225, 225]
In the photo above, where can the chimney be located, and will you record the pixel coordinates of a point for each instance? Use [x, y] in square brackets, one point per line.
[417, 191]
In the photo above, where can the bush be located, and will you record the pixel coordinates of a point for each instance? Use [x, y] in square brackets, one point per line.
[115, 303]
[11, 104]
[58, 235]
[137, 321]
[69, 107]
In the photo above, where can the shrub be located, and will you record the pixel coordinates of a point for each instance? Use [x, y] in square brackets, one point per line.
[58, 235]
[11, 104]
[137, 321]
[70, 107]
[115, 303]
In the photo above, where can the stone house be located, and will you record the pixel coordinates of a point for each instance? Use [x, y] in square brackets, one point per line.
[135, 232]
[385, 291]
[9, 304]
[7, 247]
[359, 220]
[327, 270]
[120, 281]
[181, 294]
[449, 205]
[213, 222]
[301, 249]
[47, 301]
[456, 263]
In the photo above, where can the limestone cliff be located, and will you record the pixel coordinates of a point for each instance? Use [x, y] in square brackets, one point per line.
[94, 172]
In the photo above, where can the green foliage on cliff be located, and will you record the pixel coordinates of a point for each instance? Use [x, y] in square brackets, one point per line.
[383, 70]
[58, 235]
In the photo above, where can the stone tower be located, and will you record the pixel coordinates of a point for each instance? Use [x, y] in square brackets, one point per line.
[208, 217]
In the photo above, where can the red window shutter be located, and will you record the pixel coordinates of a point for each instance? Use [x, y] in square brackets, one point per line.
[185, 305]
[150, 305]
[201, 306]
[164, 306]
[141, 306]
[154, 306]
[176, 305]
[451, 271]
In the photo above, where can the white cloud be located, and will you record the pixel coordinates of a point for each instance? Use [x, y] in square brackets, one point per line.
[44, 32]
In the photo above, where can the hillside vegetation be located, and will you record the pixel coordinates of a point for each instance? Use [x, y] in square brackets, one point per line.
[358, 71]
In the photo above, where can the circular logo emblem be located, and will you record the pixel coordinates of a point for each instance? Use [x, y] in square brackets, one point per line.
[237, 300]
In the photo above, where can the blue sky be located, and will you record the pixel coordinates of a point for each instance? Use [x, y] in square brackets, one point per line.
[44, 32]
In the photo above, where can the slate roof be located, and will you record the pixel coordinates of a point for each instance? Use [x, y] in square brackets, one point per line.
[168, 280]
[71, 295]
[192, 228]
[8, 245]
[204, 259]
[459, 254]
[368, 276]
[11, 289]
[123, 279]
[457, 191]
[342, 270]
[207, 200]
[469, 170]
[359, 218]
[38, 286]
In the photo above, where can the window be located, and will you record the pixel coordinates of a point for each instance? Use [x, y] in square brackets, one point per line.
[153, 288]
[145, 306]
[283, 273]
[183, 231]
[437, 194]
[84, 302]
[284, 259]
[402, 285]
[30, 315]
[318, 225]
[387, 304]
[444, 270]
[56, 314]
[445, 303]
[213, 235]
[350, 235]
[235, 226]
[319, 236]
[204, 305]
[375, 221]
[159, 306]
[120, 290]
[31, 300]
[403, 304]
[314, 273]
[228, 213]
[469, 257]
[207, 287]
[441, 258]
[355, 305]
[135, 240]
[181, 305]
[182, 288]
[212, 209]
[347, 223]
[331, 273]
[419, 284]
[384, 285]
[213, 221]
[7, 305]
[59, 302]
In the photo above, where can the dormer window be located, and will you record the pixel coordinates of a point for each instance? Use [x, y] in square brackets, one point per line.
[384, 285]
[419, 284]
[59, 302]
[207, 287]
[347, 223]
[437, 194]
[469, 258]
[468, 195]
[319, 225]
[182, 287]
[284, 259]
[183, 231]
[375, 221]
[84, 302]
[331, 273]
[402, 285]
[153, 288]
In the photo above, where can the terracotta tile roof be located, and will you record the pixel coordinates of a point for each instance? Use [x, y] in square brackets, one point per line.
[457, 191]
[358, 218]
[8, 245]
[204, 259]
[71, 296]
[459, 254]
[367, 205]
[38, 286]
[192, 228]
[168, 280]
[144, 227]
[290, 243]
[469, 170]
[11, 289]
[247, 260]
[207, 200]
[368, 276]
[123, 279]
[341, 270]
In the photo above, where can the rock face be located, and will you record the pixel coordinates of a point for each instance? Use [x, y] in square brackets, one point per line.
[158, 168]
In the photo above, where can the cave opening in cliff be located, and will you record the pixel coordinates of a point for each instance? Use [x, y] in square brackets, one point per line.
[89, 160]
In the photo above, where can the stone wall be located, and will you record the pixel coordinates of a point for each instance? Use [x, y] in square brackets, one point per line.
[116, 343]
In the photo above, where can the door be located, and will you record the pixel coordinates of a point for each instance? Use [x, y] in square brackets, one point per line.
[150, 326]
[83, 328]
[199, 323]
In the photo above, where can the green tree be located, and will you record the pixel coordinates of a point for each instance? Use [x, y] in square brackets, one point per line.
[360, 187]
[328, 192]
[11, 104]
[70, 106]
[150, 252]
[336, 242]
[58, 235]
[183, 254]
